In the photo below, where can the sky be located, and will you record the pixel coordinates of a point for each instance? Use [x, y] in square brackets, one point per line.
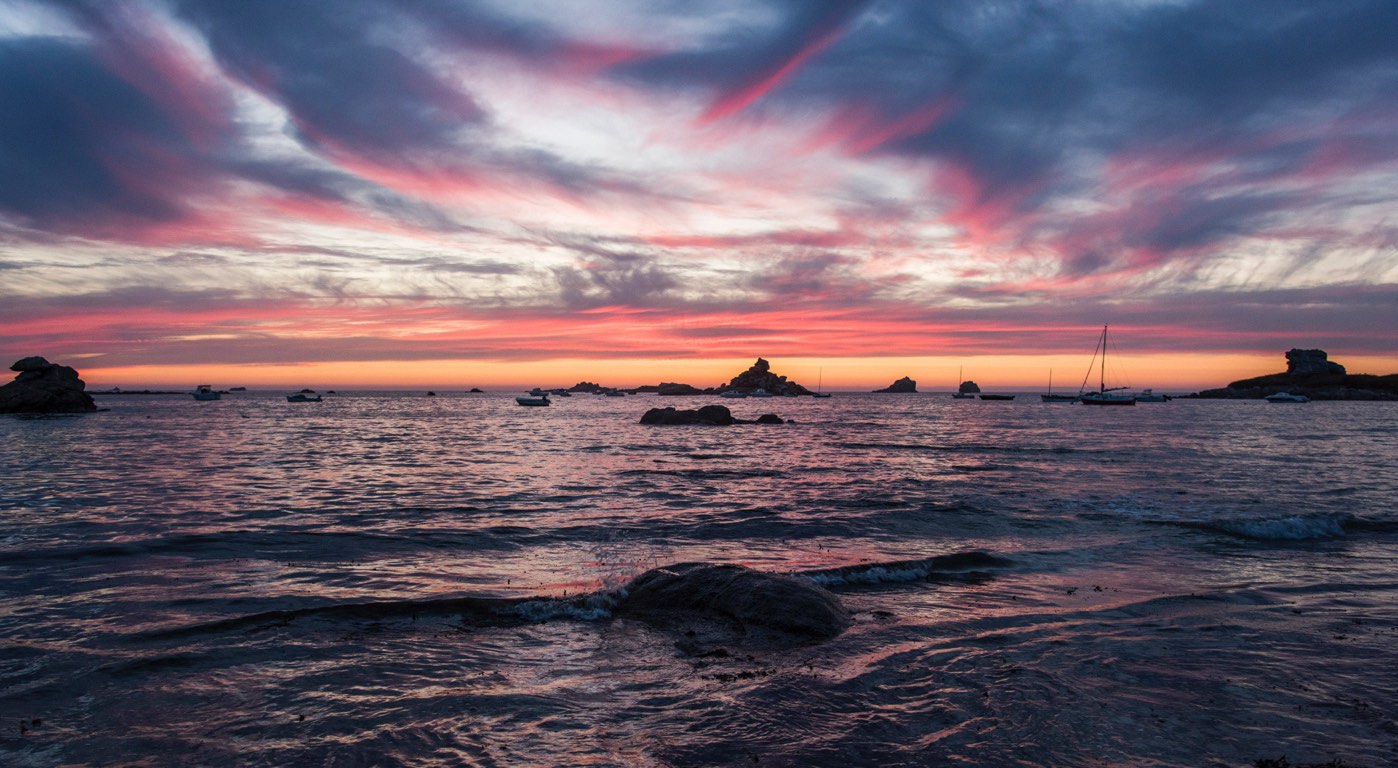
[444, 193]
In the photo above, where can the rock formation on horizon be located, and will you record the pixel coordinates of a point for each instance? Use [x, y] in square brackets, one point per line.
[969, 387]
[1308, 362]
[587, 386]
[44, 387]
[760, 376]
[670, 389]
[1309, 372]
[904, 385]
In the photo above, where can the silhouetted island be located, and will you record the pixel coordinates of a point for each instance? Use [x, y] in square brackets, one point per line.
[760, 376]
[904, 385]
[1309, 372]
[711, 415]
[44, 387]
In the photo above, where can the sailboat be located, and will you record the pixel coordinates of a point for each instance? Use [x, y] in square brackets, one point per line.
[1103, 395]
[820, 382]
[964, 392]
[1050, 397]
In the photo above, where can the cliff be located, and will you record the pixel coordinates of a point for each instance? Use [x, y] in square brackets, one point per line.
[1309, 372]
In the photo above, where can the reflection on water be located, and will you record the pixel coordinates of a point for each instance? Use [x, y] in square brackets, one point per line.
[1189, 583]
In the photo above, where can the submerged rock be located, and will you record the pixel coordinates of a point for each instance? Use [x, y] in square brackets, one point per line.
[904, 385]
[730, 604]
[44, 387]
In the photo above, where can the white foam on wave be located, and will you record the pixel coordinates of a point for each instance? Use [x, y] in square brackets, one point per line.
[1294, 528]
[593, 607]
[876, 574]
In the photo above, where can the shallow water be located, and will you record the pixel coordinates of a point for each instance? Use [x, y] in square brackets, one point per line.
[1193, 583]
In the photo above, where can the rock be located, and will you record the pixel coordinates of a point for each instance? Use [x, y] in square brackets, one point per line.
[1309, 362]
[730, 604]
[760, 376]
[476, 391]
[770, 418]
[587, 386]
[668, 389]
[968, 387]
[903, 385]
[44, 387]
[1309, 373]
[716, 415]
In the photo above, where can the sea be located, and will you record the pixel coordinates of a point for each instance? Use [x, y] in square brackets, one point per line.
[393, 579]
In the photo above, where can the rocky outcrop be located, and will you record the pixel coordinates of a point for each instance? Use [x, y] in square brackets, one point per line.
[712, 415]
[44, 387]
[760, 376]
[1311, 362]
[1309, 372]
[587, 386]
[969, 387]
[668, 389]
[729, 604]
[715, 415]
[901, 386]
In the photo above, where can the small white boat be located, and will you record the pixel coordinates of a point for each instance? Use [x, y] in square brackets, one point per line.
[531, 400]
[732, 394]
[1149, 396]
[302, 397]
[759, 392]
[1286, 397]
[206, 392]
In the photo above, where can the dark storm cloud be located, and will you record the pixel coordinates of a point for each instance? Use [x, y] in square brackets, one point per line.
[76, 141]
[332, 67]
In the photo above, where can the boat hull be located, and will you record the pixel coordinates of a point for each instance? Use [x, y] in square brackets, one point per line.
[997, 397]
[1106, 400]
[1059, 398]
[532, 401]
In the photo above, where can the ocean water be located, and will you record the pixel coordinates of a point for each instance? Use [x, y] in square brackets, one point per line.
[1193, 583]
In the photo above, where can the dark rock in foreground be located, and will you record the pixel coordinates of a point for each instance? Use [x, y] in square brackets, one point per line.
[714, 415]
[1309, 373]
[904, 385]
[44, 387]
[720, 604]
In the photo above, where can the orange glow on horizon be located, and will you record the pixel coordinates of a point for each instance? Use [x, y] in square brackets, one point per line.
[1015, 373]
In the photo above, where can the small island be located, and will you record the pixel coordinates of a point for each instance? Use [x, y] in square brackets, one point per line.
[903, 386]
[1311, 373]
[44, 387]
[760, 377]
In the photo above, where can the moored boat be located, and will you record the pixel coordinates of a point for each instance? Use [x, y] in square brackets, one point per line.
[532, 400]
[302, 397]
[1050, 397]
[1286, 397]
[1104, 395]
[1147, 395]
[997, 397]
[206, 392]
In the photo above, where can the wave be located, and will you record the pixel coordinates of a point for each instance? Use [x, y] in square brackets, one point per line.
[897, 571]
[1292, 528]
[480, 611]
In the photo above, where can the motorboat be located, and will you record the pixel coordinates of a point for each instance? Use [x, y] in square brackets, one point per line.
[1149, 396]
[206, 392]
[532, 400]
[732, 394]
[302, 397]
[1103, 395]
[759, 392]
[997, 397]
[1286, 397]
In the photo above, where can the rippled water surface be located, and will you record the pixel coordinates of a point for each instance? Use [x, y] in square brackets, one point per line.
[1194, 583]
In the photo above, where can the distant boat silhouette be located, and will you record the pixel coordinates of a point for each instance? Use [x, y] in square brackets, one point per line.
[820, 381]
[206, 392]
[1050, 397]
[532, 400]
[964, 392]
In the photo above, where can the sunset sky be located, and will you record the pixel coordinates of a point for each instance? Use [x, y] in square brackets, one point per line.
[437, 193]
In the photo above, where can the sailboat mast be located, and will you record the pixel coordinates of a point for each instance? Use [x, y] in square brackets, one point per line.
[1102, 385]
